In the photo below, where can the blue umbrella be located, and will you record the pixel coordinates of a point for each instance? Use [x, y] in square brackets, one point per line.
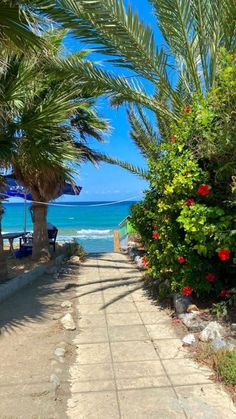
[14, 189]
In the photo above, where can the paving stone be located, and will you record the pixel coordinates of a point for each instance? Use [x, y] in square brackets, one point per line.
[120, 319]
[139, 295]
[208, 401]
[126, 333]
[93, 353]
[142, 382]
[115, 288]
[146, 306]
[90, 309]
[92, 320]
[170, 348]
[153, 317]
[138, 369]
[94, 405]
[160, 403]
[133, 351]
[89, 372]
[162, 330]
[119, 297]
[93, 385]
[90, 298]
[92, 335]
[121, 307]
[186, 371]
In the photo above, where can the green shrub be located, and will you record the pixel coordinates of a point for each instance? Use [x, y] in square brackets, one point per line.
[75, 249]
[226, 367]
[187, 219]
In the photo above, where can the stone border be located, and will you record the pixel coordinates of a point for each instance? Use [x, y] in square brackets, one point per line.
[15, 284]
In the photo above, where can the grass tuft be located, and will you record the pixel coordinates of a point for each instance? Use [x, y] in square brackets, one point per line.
[226, 367]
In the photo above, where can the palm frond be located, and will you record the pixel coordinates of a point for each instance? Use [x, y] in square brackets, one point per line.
[176, 22]
[127, 166]
[119, 89]
[16, 26]
[117, 33]
[143, 133]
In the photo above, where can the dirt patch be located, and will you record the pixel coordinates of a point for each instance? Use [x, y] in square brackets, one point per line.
[19, 266]
[30, 333]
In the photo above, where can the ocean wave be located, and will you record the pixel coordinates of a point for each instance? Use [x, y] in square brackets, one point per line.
[88, 234]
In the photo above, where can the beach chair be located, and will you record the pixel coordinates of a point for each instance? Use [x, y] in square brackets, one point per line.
[26, 242]
[52, 237]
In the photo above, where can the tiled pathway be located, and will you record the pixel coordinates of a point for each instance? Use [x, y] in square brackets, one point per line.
[130, 362]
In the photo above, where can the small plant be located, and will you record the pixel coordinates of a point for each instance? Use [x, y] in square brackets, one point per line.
[75, 249]
[226, 367]
[219, 310]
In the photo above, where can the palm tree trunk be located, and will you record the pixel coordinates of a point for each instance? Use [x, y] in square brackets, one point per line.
[40, 234]
[3, 261]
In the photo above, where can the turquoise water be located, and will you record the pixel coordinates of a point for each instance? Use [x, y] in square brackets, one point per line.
[91, 226]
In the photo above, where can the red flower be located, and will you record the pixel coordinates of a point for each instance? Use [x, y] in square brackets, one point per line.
[187, 109]
[173, 138]
[224, 254]
[203, 190]
[210, 277]
[224, 293]
[181, 259]
[187, 290]
[155, 235]
[145, 262]
[189, 202]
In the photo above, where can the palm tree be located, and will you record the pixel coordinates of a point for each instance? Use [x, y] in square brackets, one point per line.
[48, 128]
[3, 262]
[163, 79]
[20, 26]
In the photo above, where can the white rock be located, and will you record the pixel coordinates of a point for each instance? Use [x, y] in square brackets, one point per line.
[221, 343]
[139, 261]
[56, 316]
[75, 259]
[233, 326]
[55, 381]
[68, 322]
[192, 321]
[189, 339]
[60, 352]
[66, 304]
[212, 331]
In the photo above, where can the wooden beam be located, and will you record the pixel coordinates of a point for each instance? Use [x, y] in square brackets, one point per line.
[116, 241]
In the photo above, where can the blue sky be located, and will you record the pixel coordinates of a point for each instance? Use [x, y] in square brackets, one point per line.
[110, 182]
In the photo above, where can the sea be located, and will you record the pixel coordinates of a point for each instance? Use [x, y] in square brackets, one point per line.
[90, 223]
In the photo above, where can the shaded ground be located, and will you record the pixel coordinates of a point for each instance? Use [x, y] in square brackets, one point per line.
[18, 266]
[29, 337]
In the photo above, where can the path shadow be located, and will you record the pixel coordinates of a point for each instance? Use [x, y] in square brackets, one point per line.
[32, 303]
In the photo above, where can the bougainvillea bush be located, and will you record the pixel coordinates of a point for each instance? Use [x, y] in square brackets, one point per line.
[188, 217]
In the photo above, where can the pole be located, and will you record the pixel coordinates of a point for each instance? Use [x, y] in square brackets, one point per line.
[116, 241]
[25, 214]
